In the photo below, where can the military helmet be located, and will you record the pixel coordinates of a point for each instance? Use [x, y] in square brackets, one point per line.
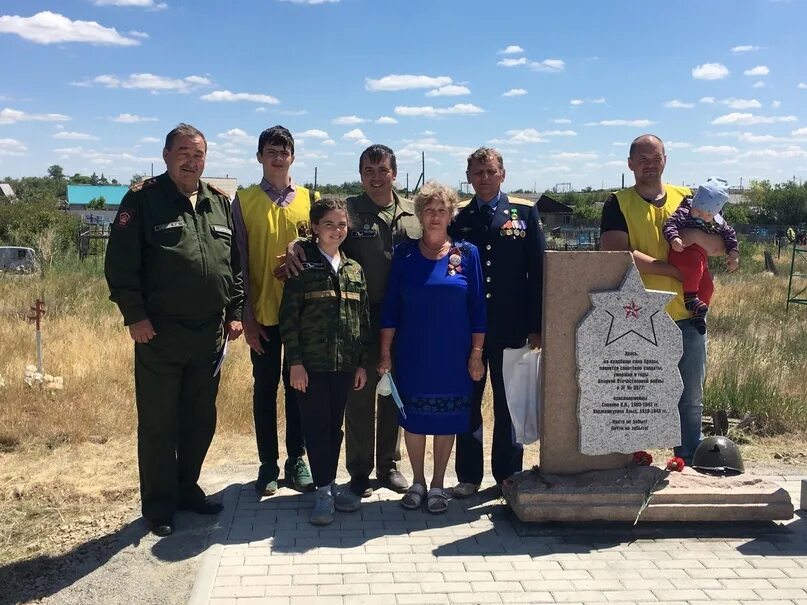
[718, 455]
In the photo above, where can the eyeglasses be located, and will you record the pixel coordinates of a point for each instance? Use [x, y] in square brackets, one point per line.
[275, 153]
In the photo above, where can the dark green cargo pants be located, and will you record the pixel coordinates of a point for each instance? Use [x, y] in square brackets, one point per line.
[176, 411]
[368, 424]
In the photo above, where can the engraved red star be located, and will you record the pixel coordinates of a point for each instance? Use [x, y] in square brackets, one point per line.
[631, 310]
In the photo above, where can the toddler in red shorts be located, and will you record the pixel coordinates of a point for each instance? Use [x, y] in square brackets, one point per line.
[702, 211]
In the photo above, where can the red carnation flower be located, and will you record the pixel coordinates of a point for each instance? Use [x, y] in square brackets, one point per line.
[642, 458]
[675, 464]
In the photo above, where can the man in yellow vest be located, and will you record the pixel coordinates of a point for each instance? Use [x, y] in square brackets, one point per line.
[632, 220]
[267, 218]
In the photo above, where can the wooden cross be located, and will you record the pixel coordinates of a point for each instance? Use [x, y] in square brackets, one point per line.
[35, 315]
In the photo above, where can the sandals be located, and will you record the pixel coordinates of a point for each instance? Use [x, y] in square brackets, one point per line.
[437, 501]
[413, 497]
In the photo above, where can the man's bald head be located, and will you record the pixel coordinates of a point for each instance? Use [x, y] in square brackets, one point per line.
[643, 140]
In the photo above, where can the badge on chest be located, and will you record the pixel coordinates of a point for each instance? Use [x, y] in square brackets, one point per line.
[366, 231]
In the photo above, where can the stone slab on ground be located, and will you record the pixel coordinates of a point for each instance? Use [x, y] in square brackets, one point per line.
[618, 495]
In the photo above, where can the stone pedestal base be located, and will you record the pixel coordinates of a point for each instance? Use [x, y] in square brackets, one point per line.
[618, 494]
[803, 504]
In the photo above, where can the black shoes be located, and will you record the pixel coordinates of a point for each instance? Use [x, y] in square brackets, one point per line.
[394, 480]
[360, 485]
[201, 506]
[162, 527]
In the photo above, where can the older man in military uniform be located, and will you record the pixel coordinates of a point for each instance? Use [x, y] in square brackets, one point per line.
[173, 270]
[508, 233]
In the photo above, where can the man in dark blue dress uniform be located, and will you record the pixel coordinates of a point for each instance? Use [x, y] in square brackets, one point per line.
[509, 235]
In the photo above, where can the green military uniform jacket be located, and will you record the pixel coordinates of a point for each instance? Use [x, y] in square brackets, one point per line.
[324, 315]
[370, 240]
[167, 260]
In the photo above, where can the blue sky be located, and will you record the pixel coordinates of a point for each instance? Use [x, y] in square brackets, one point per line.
[560, 88]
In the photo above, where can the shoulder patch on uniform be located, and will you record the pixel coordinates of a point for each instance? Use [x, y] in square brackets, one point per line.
[124, 218]
[520, 201]
[215, 189]
[143, 184]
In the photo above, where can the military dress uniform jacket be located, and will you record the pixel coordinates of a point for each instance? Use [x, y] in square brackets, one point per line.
[511, 250]
[325, 315]
[370, 240]
[167, 260]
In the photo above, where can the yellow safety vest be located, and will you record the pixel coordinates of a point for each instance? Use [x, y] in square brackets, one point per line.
[645, 223]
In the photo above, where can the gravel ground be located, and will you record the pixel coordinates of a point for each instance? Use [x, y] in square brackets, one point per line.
[130, 566]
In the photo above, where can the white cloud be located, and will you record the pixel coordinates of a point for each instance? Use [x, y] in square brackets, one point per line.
[405, 82]
[574, 155]
[512, 62]
[707, 100]
[74, 136]
[348, 120]
[386, 120]
[511, 50]
[354, 135]
[801, 132]
[451, 90]
[514, 92]
[751, 119]
[749, 137]
[12, 147]
[260, 109]
[742, 103]
[311, 2]
[231, 97]
[527, 135]
[562, 121]
[431, 112]
[746, 48]
[236, 136]
[150, 4]
[710, 71]
[12, 116]
[802, 85]
[577, 102]
[759, 84]
[150, 140]
[716, 149]
[329, 142]
[776, 104]
[129, 118]
[759, 70]
[292, 112]
[52, 28]
[312, 133]
[147, 81]
[138, 34]
[676, 104]
[636, 123]
[548, 65]
[787, 153]
[677, 145]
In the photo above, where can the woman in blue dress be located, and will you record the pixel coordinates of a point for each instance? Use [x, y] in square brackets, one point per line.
[433, 324]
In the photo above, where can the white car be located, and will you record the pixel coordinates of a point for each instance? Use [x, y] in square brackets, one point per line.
[16, 259]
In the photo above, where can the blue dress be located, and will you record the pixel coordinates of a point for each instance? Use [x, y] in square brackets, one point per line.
[434, 306]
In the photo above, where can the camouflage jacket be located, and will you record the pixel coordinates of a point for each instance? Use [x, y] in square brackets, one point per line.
[325, 315]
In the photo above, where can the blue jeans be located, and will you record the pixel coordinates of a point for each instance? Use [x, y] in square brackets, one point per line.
[693, 372]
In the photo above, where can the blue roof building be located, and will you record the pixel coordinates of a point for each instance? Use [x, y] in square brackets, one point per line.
[78, 196]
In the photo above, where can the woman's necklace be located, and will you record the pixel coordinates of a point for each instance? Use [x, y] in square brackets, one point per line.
[433, 252]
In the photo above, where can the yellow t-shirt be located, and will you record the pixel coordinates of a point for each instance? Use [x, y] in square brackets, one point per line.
[645, 224]
[270, 229]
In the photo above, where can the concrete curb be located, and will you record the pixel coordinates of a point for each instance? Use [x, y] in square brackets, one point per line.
[206, 574]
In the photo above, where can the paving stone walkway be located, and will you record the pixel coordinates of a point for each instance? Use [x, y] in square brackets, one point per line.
[266, 552]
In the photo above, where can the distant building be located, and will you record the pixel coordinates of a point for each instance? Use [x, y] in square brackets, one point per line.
[79, 196]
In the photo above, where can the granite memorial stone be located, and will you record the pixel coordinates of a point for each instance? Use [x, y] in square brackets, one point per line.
[628, 350]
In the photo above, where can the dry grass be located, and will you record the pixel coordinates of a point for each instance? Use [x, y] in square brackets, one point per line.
[67, 458]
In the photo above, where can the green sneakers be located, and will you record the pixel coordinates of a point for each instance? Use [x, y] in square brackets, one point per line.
[298, 475]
